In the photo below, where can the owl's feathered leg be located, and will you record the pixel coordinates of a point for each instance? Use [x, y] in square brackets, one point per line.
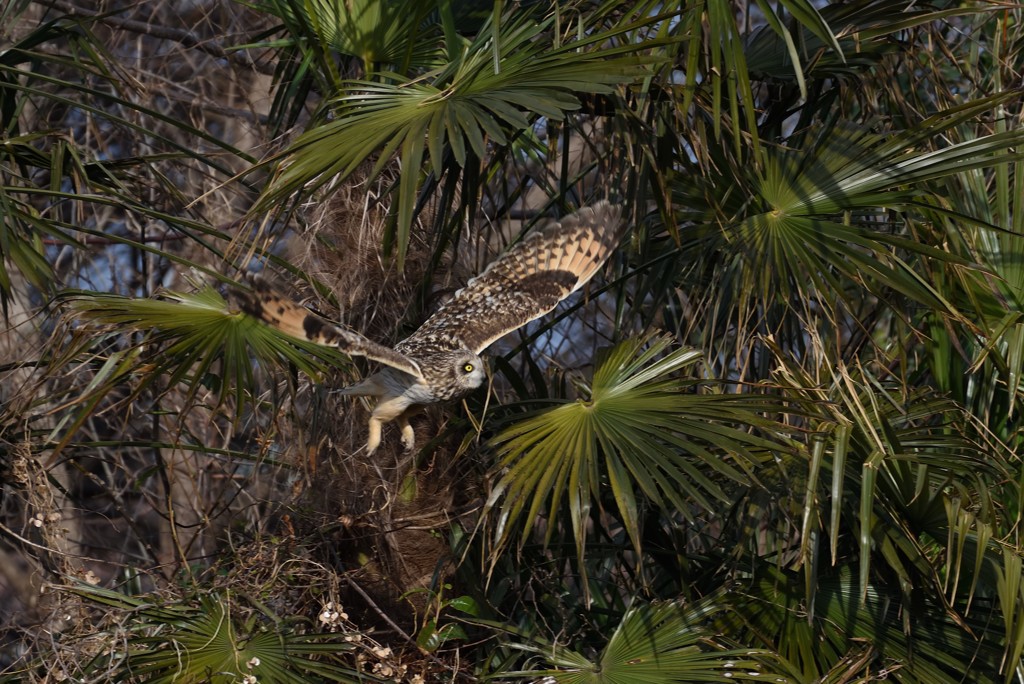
[408, 434]
[382, 413]
[373, 438]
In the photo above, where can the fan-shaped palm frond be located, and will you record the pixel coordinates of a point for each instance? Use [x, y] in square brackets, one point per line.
[636, 429]
[509, 75]
[207, 642]
[372, 36]
[815, 224]
[857, 26]
[662, 643]
[201, 340]
[378, 33]
[910, 485]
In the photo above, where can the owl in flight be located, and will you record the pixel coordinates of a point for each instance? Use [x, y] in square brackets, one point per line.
[441, 360]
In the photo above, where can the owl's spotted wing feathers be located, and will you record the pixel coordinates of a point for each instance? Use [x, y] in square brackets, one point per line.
[281, 313]
[525, 283]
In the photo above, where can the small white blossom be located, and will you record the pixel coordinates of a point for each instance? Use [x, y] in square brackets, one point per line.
[253, 662]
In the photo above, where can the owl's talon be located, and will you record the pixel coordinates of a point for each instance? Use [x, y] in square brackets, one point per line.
[408, 436]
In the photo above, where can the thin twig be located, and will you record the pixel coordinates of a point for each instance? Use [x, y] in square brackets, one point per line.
[401, 632]
[182, 36]
[4, 530]
[377, 609]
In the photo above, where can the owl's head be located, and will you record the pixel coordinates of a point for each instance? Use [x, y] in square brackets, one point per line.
[456, 373]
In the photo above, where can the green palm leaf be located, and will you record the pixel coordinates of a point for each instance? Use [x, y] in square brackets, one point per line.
[394, 36]
[202, 341]
[638, 429]
[507, 77]
[377, 32]
[817, 219]
[662, 643]
[206, 641]
[863, 26]
[855, 634]
[894, 471]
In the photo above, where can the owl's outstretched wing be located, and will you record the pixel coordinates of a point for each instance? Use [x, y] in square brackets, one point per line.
[524, 283]
[281, 313]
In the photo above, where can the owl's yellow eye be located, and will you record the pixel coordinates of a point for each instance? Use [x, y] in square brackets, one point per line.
[468, 368]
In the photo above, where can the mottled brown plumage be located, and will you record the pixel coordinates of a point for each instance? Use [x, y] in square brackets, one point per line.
[441, 360]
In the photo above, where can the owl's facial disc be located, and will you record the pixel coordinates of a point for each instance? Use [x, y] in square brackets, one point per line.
[469, 370]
